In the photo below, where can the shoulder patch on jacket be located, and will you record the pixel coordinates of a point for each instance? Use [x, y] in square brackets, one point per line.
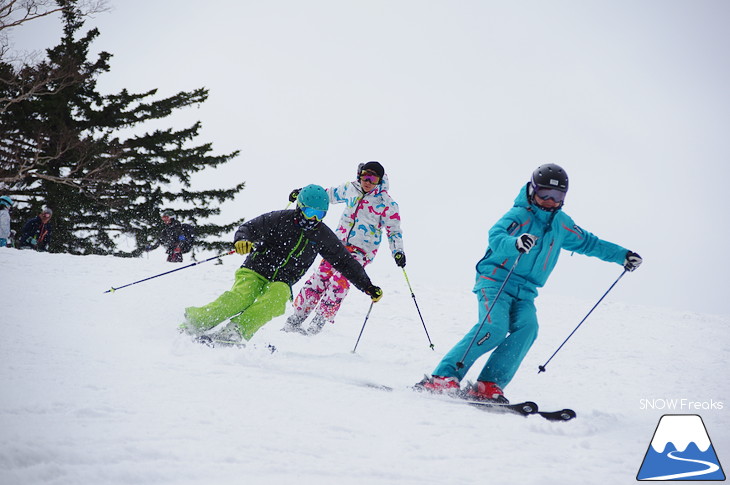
[575, 229]
[512, 229]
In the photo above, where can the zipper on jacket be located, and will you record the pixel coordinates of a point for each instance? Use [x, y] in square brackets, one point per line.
[354, 216]
[289, 256]
[547, 256]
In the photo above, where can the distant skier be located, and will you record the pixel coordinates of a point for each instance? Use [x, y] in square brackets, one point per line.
[6, 202]
[369, 210]
[175, 236]
[537, 228]
[282, 246]
[36, 233]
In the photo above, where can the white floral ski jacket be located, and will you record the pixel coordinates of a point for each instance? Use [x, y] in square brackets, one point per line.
[365, 216]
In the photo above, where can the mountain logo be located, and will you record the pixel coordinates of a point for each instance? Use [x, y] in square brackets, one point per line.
[681, 450]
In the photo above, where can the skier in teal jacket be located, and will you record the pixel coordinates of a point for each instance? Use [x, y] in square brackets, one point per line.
[531, 234]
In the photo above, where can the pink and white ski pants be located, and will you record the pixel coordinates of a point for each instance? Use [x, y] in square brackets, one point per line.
[325, 289]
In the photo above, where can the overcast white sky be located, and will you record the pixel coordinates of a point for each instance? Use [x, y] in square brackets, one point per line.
[460, 101]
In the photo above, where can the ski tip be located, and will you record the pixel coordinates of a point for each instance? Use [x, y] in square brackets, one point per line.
[568, 414]
[562, 415]
[529, 407]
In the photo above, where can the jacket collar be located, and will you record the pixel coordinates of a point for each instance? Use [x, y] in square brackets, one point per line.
[523, 200]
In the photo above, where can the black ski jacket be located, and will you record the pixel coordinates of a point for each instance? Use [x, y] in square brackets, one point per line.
[175, 235]
[284, 251]
[35, 234]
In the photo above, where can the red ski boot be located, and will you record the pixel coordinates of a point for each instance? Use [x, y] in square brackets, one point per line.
[438, 384]
[486, 391]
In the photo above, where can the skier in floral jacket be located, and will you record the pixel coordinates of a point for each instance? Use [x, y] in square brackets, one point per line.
[369, 211]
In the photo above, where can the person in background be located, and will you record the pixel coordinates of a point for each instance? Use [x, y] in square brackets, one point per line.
[175, 236]
[369, 210]
[5, 204]
[531, 236]
[36, 233]
[281, 246]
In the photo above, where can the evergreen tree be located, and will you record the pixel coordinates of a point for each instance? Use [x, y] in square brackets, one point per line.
[65, 149]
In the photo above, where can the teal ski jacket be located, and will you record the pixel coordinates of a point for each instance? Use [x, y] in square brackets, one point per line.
[554, 230]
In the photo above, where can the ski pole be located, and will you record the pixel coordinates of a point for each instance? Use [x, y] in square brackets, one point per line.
[112, 290]
[460, 364]
[363, 325]
[542, 367]
[430, 344]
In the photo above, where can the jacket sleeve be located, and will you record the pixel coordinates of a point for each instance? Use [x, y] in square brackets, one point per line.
[186, 238]
[27, 232]
[258, 228]
[503, 235]
[583, 242]
[332, 250]
[392, 226]
[4, 224]
[341, 194]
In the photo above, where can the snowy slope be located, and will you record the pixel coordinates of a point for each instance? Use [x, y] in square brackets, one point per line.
[100, 388]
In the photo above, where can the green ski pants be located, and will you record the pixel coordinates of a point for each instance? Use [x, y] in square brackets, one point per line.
[250, 303]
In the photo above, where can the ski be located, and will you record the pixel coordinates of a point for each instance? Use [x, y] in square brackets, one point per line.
[526, 408]
[522, 408]
[212, 341]
[216, 342]
[562, 415]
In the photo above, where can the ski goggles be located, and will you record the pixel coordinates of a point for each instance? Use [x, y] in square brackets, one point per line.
[546, 193]
[313, 214]
[369, 177]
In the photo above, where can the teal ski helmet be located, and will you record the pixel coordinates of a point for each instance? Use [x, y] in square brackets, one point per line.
[313, 202]
[5, 200]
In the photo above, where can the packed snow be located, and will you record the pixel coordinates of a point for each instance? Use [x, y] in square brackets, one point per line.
[100, 388]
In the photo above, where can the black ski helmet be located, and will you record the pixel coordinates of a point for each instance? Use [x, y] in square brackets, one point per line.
[550, 176]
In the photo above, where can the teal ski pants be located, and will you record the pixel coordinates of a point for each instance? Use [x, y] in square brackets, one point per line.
[510, 330]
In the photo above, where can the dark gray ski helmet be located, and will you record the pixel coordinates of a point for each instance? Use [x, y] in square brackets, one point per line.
[550, 176]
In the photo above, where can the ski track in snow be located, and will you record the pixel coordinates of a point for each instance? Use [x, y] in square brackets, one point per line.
[100, 388]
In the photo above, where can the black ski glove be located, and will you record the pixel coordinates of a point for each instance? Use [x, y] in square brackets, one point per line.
[632, 261]
[294, 194]
[400, 259]
[525, 242]
[374, 293]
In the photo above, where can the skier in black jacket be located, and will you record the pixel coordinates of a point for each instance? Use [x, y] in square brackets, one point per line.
[282, 246]
[36, 233]
[175, 236]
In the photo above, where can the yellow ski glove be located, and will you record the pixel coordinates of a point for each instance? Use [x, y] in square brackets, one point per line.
[243, 247]
[374, 293]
